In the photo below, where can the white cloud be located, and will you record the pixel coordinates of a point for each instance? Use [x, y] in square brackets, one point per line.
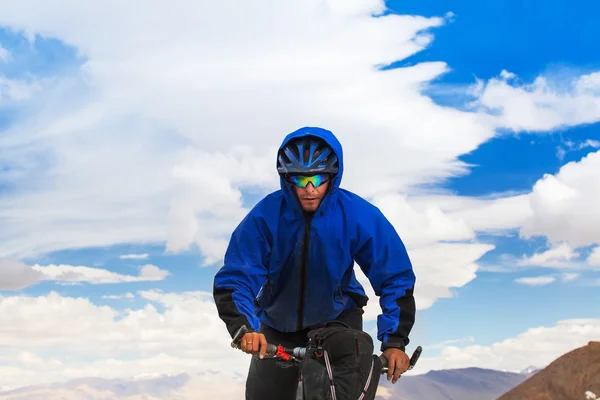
[445, 343]
[143, 256]
[492, 214]
[127, 295]
[70, 273]
[77, 338]
[15, 275]
[564, 205]
[589, 83]
[444, 266]
[558, 256]
[594, 257]
[208, 204]
[570, 276]
[544, 104]
[422, 223]
[536, 280]
[572, 146]
[537, 346]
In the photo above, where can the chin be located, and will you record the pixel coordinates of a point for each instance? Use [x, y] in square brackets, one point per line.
[310, 208]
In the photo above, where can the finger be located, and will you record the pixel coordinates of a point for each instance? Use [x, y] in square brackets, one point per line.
[255, 344]
[397, 371]
[401, 367]
[263, 346]
[249, 344]
[391, 366]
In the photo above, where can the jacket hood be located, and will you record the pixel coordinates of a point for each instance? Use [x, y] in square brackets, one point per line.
[330, 139]
[336, 146]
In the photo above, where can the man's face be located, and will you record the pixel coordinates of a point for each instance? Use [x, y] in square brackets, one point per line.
[310, 197]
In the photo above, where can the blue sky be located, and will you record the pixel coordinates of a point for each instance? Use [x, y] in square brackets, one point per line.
[480, 40]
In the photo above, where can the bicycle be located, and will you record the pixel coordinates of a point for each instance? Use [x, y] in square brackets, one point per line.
[296, 355]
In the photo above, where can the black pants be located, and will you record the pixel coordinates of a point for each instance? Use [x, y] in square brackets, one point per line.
[269, 379]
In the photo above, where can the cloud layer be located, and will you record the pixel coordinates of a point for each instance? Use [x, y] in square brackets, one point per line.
[55, 338]
[17, 275]
[162, 141]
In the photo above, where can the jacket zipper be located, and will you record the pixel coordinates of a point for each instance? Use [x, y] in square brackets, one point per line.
[303, 262]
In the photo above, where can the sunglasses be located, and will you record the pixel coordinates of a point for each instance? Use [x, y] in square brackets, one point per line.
[302, 181]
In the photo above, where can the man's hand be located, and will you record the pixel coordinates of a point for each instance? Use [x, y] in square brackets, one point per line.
[398, 362]
[254, 342]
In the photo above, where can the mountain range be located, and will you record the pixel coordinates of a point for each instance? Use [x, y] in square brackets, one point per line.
[459, 384]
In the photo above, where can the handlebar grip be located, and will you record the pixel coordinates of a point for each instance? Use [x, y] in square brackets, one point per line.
[384, 362]
[235, 343]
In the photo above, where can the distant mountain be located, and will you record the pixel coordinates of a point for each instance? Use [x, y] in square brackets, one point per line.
[454, 384]
[156, 388]
[570, 376]
[457, 384]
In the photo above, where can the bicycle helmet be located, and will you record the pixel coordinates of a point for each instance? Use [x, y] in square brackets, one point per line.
[307, 155]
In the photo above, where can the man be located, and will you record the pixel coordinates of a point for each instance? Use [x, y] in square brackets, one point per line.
[289, 265]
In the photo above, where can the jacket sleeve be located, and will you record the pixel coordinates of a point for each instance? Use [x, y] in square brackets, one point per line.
[383, 258]
[242, 275]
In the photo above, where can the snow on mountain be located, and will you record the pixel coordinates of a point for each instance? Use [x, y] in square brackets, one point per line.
[530, 370]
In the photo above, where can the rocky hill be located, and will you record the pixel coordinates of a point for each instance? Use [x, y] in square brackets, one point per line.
[569, 377]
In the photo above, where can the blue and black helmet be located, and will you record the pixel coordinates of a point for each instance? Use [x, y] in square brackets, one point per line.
[307, 155]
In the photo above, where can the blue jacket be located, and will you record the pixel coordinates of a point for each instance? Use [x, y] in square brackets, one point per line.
[292, 272]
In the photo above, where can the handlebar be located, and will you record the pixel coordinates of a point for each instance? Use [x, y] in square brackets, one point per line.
[295, 354]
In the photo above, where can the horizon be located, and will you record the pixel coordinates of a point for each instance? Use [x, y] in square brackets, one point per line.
[133, 140]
